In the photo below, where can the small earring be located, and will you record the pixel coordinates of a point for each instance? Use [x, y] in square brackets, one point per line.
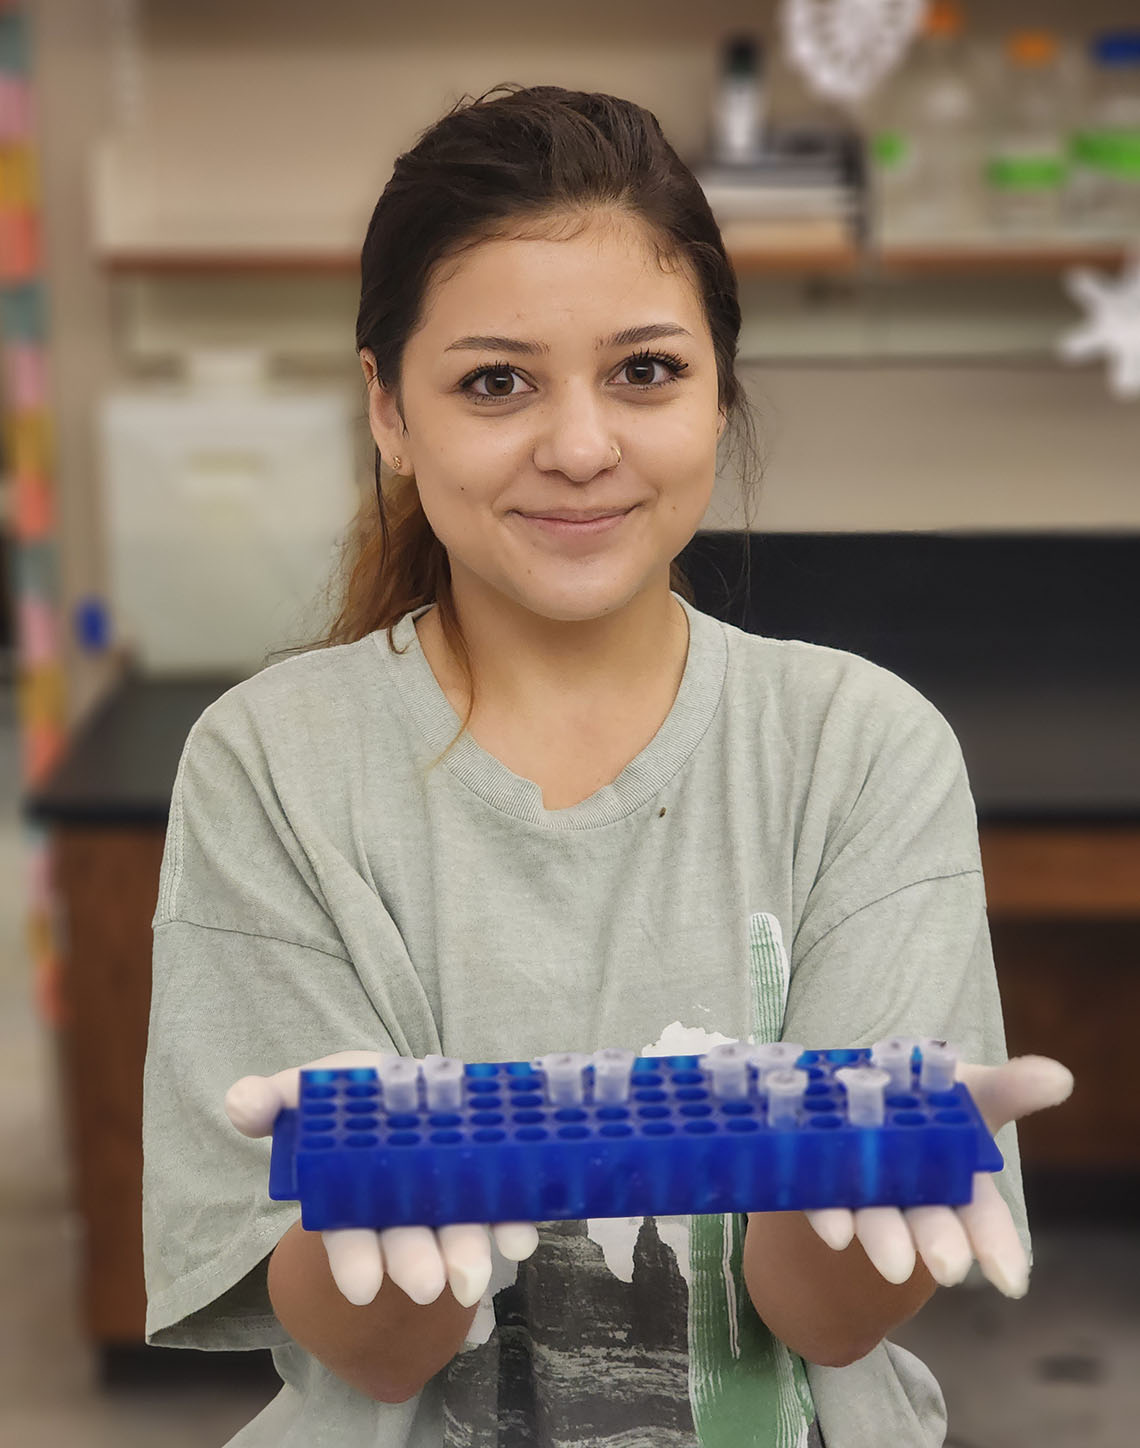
[618, 454]
[395, 462]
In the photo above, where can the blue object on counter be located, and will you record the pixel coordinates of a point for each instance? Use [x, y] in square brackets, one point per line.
[1117, 47]
[506, 1153]
[92, 624]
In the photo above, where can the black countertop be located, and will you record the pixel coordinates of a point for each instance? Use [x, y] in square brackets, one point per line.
[1028, 644]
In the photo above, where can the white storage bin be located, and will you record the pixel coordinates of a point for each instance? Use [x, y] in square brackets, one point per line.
[225, 507]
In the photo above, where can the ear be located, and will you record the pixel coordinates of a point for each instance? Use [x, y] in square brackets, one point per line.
[384, 422]
[722, 424]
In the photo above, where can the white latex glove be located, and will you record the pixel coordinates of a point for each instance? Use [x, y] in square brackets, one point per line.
[949, 1238]
[421, 1260]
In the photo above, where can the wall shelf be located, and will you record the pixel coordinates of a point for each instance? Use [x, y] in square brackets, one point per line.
[985, 258]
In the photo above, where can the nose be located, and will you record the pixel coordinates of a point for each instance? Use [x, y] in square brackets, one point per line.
[577, 439]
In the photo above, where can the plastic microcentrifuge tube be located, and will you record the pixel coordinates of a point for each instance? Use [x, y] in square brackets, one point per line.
[563, 1071]
[894, 1055]
[785, 1095]
[400, 1078]
[728, 1066]
[443, 1083]
[866, 1089]
[938, 1063]
[774, 1056]
[612, 1069]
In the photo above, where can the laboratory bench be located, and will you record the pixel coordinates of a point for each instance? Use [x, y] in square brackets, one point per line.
[1027, 643]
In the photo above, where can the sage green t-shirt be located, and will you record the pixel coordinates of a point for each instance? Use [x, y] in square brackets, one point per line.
[794, 855]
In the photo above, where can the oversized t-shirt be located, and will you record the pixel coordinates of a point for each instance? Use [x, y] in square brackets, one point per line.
[793, 855]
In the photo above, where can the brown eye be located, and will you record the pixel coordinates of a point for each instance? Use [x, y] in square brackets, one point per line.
[499, 376]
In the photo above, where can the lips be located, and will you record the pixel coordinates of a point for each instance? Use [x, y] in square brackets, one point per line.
[564, 515]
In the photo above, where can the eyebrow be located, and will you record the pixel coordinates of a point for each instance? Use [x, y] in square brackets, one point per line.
[651, 332]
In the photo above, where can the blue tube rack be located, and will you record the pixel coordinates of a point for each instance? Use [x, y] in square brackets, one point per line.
[506, 1154]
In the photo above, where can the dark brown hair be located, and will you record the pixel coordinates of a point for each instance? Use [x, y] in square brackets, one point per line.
[537, 160]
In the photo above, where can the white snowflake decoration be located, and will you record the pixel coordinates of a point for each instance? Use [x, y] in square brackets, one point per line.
[844, 48]
[1112, 327]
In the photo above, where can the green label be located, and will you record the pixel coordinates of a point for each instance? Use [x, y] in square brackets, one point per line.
[1115, 152]
[889, 148]
[1027, 173]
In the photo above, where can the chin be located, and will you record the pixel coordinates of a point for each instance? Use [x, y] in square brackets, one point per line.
[578, 604]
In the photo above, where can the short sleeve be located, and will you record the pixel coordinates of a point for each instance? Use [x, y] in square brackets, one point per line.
[894, 938]
[255, 980]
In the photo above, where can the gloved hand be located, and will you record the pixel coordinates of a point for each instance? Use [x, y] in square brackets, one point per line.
[418, 1259]
[949, 1238]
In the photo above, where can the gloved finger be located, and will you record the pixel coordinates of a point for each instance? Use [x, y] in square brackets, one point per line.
[993, 1238]
[414, 1262]
[466, 1251]
[1017, 1088]
[836, 1225]
[253, 1102]
[356, 1262]
[515, 1240]
[887, 1241]
[941, 1242]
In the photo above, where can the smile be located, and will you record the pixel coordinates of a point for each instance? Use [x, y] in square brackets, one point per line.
[566, 524]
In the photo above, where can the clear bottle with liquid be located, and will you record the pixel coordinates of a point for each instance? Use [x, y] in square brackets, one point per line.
[1027, 164]
[1105, 187]
[926, 137]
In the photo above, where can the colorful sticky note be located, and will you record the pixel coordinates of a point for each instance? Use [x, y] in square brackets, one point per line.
[19, 185]
[33, 508]
[42, 747]
[25, 369]
[29, 442]
[15, 107]
[41, 698]
[38, 643]
[19, 245]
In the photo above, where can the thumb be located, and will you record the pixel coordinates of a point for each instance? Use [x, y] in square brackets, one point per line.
[1018, 1088]
[253, 1102]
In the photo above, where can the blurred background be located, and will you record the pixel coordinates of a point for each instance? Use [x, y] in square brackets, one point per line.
[928, 208]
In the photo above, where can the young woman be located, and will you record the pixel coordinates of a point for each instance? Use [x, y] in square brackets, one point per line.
[528, 798]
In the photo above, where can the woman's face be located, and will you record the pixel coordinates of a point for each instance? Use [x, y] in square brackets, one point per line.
[513, 464]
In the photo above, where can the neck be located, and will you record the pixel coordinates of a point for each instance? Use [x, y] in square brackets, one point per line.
[536, 668]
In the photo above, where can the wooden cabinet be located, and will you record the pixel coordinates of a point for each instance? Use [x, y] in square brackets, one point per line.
[108, 881]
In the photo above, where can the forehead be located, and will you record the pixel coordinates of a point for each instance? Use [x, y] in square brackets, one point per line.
[583, 285]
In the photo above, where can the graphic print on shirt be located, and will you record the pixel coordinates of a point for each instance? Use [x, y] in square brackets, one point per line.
[748, 1390]
[636, 1332]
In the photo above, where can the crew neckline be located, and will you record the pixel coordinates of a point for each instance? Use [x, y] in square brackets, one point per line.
[682, 729]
